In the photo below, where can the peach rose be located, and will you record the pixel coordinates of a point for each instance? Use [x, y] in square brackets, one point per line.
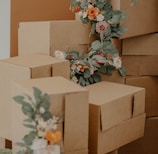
[92, 12]
[53, 137]
[76, 9]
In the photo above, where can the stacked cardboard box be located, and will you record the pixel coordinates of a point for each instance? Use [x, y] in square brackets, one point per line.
[116, 116]
[67, 99]
[24, 67]
[139, 52]
[47, 36]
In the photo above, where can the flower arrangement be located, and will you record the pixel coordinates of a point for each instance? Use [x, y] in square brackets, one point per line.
[44, 136]
[102, 56]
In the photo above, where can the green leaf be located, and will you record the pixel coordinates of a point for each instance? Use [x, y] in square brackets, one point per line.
[27, 109]
[37, 94]
[93, 28]
[21, 144]
[30, 126]
[96, 45]
[82, 81]
[29, 138]
[122, 71]
[96, 78]
[102, 69]
[46, 115]
[19, 99]
[28, 120]
[86, 73]
[21, 152]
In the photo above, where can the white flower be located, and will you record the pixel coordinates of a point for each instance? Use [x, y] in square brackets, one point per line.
[84, 14]
[59, 54]
[42, 110]
[74, 79]
[100, 17]
[117, 62]
[52, 123]
[39, 143]
[41, 127]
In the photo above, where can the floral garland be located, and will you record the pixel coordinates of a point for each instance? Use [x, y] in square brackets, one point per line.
[44, 137]
[102, 56]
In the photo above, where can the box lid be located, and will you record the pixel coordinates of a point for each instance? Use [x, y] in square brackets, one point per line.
[117, 102]
[34, 60]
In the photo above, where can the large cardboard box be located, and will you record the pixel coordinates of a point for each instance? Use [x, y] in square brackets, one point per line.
[147, 144]
[151, 87]
[47, 36]
[140, 65]
[141, 45]
[113, 110]
[67, 99]
[24, 67]
[138, 22]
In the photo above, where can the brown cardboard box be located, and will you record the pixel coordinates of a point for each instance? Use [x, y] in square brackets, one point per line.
[141, 45]
[24, 67]
[151, 87]
[114, 152]
[140, 65]
[115, 77]
[147, 144]
[36, 10]
[66, 98]
[46, 37]
[114, 109]
[138, 22]
[4, 143]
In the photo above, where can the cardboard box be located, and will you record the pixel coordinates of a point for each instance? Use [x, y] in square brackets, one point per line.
[140, 65]
[141, 45]
[115, 77]
[24, 67]
[66, 98]
[114, 152]
[4, 143]
[151, 87]
[47, 36]
[114, 109]
[147, 144]
[138, 22]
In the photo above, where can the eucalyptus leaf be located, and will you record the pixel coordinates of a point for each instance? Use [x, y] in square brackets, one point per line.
[37, 94]
[96, 45]
[19, 99]
[122, 71]
[86, 73]
[96, 78]
[30, 126]
[29, 138]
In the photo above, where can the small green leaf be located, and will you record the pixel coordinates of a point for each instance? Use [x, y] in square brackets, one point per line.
[29, 126]
[122, 71]
[96, 78]
[96, 45]
[19, 99]
[93, 28]
[82, 81]
[86, 73]
[21, 144]
[29, 138]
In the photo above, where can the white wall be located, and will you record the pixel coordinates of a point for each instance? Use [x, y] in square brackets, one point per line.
[4, 29]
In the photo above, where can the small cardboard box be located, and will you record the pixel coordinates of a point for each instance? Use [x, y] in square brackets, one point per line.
[138, 22]
[4, 143]
[151, 87]
[140, 65]
[113, 109]
[147, 144]
[141, 45]
[24, 67]
[66, 98]
[47, 36]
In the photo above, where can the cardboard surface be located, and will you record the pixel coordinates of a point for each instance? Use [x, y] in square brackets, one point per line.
[24, 67]
[147, 144]
[37, 10]
[66, 98]
[117, 136]
[115, 77]
[47, 36]
[151, 87]
[112, 104]
[140, 65]
[138, 22]
[142, 45]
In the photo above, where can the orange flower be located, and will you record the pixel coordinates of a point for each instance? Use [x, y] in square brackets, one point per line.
[92, 12]
[53, 137]
[76, 9]
[83, 68]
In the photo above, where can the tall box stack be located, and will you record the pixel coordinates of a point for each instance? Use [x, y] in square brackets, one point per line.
[24, 67]
[67, 99]
[116, 116]
[139, 54]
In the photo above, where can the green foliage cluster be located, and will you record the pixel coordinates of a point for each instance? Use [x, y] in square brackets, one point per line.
[31, 109]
